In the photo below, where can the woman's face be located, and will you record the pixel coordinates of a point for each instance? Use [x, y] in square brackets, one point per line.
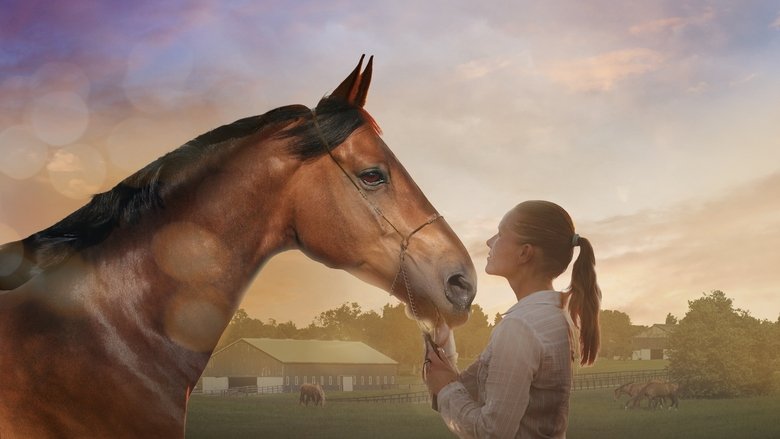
[504, 249]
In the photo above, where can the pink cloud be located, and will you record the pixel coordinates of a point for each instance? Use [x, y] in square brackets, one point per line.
[671, 24]
[602, 72]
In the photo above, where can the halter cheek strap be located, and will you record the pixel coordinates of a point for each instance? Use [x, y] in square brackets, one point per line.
[404, 238]
[326, 146]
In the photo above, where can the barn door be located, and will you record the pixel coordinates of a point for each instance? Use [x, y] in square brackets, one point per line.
[346, 384]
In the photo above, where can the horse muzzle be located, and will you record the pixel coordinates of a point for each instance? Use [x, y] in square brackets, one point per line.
[460, 292]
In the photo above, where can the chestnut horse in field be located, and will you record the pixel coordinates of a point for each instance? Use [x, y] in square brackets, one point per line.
[655, 392]
[108, 317]
[313, 393]
[630, 389]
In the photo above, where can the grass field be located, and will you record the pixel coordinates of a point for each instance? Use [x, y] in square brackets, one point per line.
[594, 414]
[602, 365]
[606, 365]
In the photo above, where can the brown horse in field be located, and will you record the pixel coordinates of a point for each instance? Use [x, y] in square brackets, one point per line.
[630, 389]
[108, 317]
[655, 392]
[313, 393]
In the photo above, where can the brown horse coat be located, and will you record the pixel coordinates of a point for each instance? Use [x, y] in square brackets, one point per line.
[630, 389]
[313, 393]
[655, 392]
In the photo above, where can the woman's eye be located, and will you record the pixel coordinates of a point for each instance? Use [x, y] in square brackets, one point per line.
[372, 177]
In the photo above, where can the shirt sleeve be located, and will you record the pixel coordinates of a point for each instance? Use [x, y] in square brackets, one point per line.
[469, 377]
[514, 360]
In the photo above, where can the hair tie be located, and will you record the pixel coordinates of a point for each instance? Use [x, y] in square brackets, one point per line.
[575, 240]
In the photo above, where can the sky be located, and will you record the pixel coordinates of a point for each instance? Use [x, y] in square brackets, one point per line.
[654, 123]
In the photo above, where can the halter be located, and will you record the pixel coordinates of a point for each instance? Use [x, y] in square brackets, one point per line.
[404, 238]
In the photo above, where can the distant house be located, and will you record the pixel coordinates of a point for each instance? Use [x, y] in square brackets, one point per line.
[286, 364]
[652, 343]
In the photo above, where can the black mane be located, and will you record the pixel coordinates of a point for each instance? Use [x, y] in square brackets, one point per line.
[146, 190]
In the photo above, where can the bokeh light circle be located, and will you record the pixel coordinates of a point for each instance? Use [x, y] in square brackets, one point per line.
[22, 155]
[59, 118]
[77, 171]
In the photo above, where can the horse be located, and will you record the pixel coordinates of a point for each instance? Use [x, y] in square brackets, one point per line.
[109, 317]
[630, 389]
[656, 392]
[313, 393]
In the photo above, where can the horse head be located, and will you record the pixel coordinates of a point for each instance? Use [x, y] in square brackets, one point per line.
[358, 209]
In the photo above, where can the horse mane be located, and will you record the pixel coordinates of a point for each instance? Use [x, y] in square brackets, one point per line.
[146, 190]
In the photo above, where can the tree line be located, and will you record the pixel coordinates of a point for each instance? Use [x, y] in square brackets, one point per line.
[715, 350]
[391, 331]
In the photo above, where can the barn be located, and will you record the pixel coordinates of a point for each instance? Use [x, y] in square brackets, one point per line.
[652, 343]
[285, 364]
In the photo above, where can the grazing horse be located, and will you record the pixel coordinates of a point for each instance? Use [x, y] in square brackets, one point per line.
[630, 389]
[655, 392]
[312, 392]
[109, 317]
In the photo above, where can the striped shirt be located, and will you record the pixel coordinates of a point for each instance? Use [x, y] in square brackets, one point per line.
[519, 387]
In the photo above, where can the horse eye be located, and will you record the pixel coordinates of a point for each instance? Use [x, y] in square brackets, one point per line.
[372, 177]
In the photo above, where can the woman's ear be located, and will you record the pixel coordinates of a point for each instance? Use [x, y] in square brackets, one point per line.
[525, 253]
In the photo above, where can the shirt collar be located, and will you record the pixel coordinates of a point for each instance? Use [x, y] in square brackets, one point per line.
[544, 297]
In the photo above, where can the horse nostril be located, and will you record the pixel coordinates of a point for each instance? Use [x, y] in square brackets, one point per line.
[459, 291]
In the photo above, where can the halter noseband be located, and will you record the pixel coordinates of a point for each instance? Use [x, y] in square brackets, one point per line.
[404, 238]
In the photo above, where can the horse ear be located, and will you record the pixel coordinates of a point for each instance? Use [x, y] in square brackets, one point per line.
[354, 88]
[365, 81]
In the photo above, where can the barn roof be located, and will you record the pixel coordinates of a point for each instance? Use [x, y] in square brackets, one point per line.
[316, 351]
[656, 331]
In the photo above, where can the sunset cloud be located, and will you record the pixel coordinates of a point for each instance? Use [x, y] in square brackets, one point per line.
[672, 24]
[479, 68]
[602, 72]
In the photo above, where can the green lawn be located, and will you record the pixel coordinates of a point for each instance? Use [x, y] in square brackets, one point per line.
[594, 414]
[605, 365]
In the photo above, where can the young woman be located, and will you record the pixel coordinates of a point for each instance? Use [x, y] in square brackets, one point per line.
[519, 387]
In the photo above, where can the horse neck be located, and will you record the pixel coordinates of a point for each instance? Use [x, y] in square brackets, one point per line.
[241, 209]
[237, 207]
[196, 256]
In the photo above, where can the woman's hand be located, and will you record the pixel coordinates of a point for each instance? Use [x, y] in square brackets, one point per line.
[436, 370]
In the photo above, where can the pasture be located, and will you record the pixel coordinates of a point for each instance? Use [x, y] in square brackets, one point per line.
[594, 414]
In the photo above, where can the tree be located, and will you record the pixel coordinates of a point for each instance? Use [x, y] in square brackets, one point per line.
[401, 338]
[670, 319]
[342, 323]
[776, 343]
[472, 337]
[719, 351]
[616, 334]
[242, 326]
[239, 317]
